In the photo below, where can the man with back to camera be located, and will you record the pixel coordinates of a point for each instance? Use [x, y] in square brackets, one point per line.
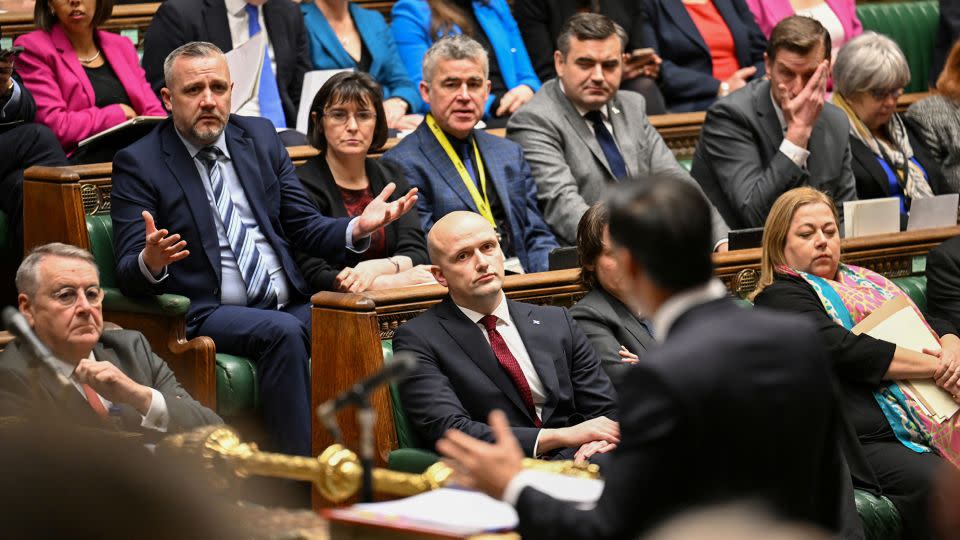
[711, 415]
[224, 185]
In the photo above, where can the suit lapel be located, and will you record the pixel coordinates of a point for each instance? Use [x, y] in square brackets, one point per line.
[495, 173]
[215, 22]
[629, 146]
[183, 170]
[769, 121]
[441, 163]
[577, 123]
[475, 346]
[630, 322]
[69, 57]
[244, 157]
[682, 19]
[533, 334]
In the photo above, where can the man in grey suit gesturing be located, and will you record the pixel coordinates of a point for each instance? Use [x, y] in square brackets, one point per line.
[602, 135]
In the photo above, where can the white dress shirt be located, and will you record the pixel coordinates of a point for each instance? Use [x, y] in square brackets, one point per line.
[239, 23]
[157, 417]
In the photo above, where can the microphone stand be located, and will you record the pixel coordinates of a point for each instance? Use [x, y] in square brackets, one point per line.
[365, 420]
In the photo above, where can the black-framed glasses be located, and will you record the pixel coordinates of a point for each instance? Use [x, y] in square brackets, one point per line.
[68, 296]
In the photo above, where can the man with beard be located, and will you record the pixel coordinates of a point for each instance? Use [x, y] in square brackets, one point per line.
[224, 185]
[602, 135]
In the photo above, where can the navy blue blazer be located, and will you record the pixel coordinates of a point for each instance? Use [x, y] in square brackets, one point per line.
[427, 167]
[687, 72]
[157, 174]
[458, 380]
[386, 68]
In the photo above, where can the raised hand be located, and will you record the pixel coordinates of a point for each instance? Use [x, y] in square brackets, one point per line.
[107, 380]
[481, 465]
[380, 213]
[512, 100]
[161, 247]
[802, 110]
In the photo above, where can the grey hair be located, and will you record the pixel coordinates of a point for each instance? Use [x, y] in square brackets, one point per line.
[194, 49]
[870, 61]
[457, 47]
[28, 280]
[589, 26]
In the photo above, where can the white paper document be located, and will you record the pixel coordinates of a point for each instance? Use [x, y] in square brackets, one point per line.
[312, 81]
[897, 322]
[933, 212]
[871, 216]
[245, 63]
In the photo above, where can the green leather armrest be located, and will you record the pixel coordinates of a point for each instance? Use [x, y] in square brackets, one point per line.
[236, 385]
[411, 460]
[406, 436]
[170, 305]
[916, 289]
[880, 518]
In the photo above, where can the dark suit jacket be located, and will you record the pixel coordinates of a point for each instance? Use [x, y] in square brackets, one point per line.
[427, 167]
[740, 167]
[948, 32]
[404, 236]
[21, 112]
[735, 404]
[540, 22]
[687, 72]
[181, 21]
[872, 180]
[130, 352]
[943, 282]
[158, 175]
[458, 380]
[608, 324]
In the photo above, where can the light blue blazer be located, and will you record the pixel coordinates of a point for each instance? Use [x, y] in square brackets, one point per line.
[410, 23]
[326, 52]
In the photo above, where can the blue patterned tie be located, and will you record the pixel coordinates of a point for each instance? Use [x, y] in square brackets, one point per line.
[253, 270]
[268, 94]
[607, 144]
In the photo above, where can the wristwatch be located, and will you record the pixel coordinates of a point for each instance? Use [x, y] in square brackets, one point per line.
[724, 89]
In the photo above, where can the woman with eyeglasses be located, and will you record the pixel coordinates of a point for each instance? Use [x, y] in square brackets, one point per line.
[347, 120]
[889, 159]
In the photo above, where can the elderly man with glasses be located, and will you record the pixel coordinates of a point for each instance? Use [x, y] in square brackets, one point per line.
[115, 379]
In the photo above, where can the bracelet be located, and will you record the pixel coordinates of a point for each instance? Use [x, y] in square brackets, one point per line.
[396, 265]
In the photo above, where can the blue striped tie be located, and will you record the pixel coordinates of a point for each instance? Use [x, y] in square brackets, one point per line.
[253, 270]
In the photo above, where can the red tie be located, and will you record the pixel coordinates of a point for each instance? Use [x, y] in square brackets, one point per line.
[509, 363]
[95, 403]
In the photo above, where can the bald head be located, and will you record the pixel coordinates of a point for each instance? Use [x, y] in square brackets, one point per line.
[466, 253]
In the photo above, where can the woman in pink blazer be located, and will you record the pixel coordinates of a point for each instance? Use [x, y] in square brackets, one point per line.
[769, 12]
[84, 80]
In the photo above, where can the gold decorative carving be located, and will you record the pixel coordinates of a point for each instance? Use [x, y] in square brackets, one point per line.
[745, 282]
[95, 198]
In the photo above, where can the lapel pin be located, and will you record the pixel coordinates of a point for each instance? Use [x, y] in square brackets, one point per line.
[536, 321]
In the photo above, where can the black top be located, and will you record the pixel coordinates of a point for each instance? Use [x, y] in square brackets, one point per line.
[464, 147]
[497, 87]
[106, 86]
[403, 237]
[943, 281]
[366, 59]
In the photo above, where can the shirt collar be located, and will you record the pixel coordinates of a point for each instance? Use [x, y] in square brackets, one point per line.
[604, 111]
[680, 303]
[502, 311]
[67, 369]
[235, 7]
[220, 144]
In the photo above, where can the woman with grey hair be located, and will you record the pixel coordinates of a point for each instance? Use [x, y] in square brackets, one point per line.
[889, 160]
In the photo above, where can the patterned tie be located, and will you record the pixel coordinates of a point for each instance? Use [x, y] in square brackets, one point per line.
[510, 364]
[268, 94]
[260, 291]
[608, 145]
[95, 403]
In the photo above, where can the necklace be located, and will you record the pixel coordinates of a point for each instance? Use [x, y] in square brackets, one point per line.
[91, 59]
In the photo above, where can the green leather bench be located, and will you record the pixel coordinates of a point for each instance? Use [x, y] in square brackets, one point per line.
[913, 25]
[235, 376]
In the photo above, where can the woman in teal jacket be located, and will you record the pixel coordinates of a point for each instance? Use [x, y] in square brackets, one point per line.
[416, 24]
[344, 35]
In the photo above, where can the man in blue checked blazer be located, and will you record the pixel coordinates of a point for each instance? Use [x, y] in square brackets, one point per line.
[458, 167]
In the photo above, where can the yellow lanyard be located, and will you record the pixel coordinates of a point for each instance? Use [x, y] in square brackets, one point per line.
[482, 201]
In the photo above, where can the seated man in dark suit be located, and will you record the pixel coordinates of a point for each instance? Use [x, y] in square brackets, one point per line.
[777, 133]
[113, 374]
[479, 351]
[734, 404]
[224, 184]
[943, 281]
[457, 167]
[948, 32]
[229, 24]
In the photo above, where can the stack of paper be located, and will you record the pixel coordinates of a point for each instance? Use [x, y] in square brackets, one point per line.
[871, 216]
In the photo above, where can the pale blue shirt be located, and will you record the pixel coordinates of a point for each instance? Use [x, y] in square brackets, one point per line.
[11, 103]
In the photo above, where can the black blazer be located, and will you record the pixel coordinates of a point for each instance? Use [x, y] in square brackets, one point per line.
[130, 352]
[180, 21]
[943, 282]
[608, 323]
[23, 113]
[872, 180]
[458, 381]
[404, 236]
[540, 22]
[735, 404]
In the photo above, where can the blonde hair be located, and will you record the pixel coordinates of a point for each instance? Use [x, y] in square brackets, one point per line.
[777, 226]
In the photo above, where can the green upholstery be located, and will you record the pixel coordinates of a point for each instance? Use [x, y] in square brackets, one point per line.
[916, 289]
[410, 457]
[686, 163]
[236, 376]
[880, 518]
[411, 460]
[913, 25]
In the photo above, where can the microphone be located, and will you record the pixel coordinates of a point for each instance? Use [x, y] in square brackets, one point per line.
[17, 325]
[402, 364]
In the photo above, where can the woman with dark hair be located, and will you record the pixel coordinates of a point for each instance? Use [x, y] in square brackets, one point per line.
[84, 80]
[416, 24]
[938, 120]
[618, 334]
[347, 121]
